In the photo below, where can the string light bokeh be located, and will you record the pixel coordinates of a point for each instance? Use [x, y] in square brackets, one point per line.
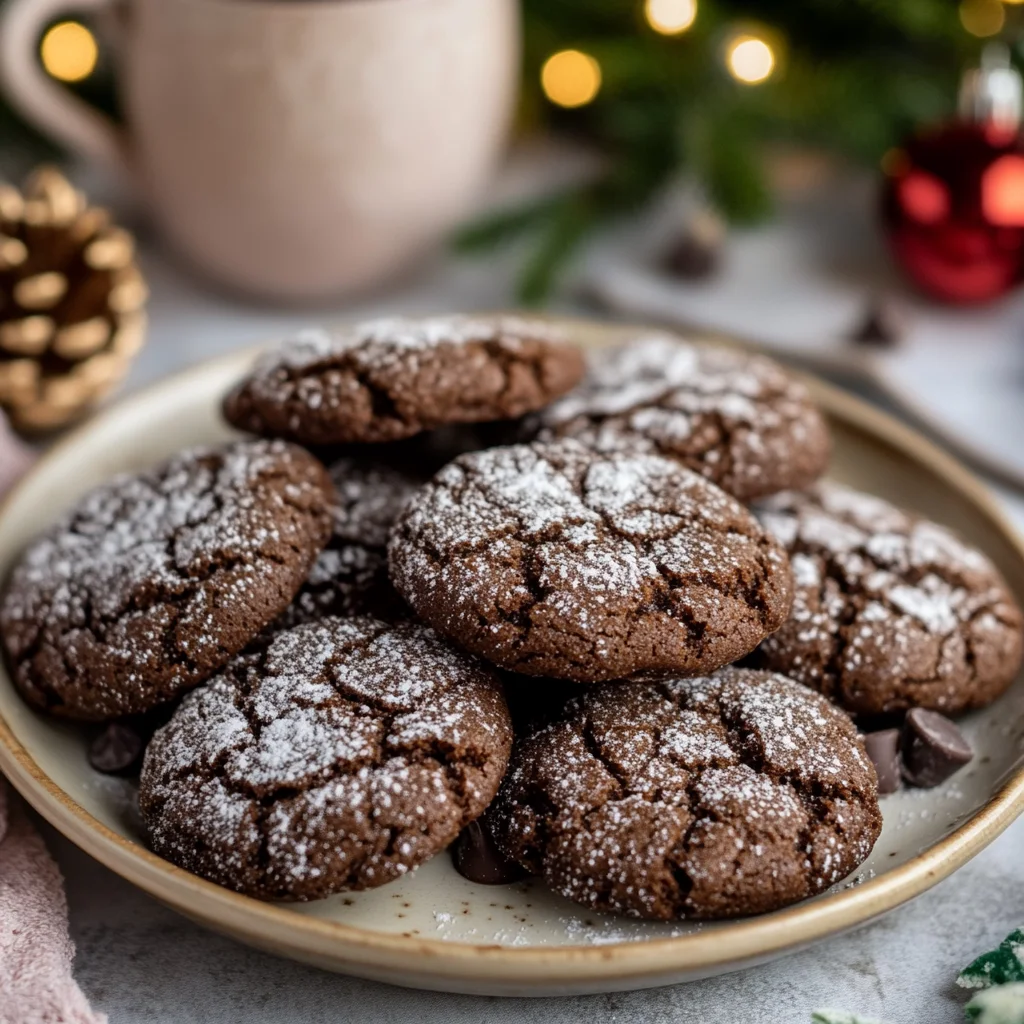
[570, 78]
[670, 17]
[750, 59]
[982, 17]
[68, 51]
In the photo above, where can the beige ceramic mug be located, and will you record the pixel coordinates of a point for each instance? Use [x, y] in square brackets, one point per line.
[293, 148]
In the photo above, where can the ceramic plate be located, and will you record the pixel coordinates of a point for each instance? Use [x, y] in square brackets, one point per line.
[435, 929]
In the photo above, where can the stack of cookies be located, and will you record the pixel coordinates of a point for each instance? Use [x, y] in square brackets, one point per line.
[621, 649]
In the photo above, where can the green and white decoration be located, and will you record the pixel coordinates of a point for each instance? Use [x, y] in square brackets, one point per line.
[1000, 966]
[1001, 1004]
[997, 974]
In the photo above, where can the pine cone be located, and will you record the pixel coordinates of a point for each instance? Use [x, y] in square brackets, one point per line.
[71, 299]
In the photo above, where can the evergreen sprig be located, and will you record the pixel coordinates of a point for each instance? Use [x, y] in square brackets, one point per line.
[853, 77]
[1000, 966]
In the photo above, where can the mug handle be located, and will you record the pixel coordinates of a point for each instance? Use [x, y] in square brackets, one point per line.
[39, 99]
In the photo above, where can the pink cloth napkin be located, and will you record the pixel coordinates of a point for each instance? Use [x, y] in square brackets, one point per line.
[15, 457]
[36, 986]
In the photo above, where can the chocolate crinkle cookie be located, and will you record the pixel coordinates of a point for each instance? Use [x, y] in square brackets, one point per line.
[716, 797]
[891, 611]
[152, 582]
[350, 576]
[740, 420]
[390, 379]
[555, 560]
[341, 756]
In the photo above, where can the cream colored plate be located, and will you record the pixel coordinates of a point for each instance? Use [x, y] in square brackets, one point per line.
[435, 929]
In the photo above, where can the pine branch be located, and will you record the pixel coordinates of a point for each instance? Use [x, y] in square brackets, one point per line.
[504, 226]
[568, 227]
[854, 77]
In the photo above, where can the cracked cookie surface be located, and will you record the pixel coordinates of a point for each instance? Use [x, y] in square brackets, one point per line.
[554, 560]
[340, 757]
[721, 796]
[890, 611]
[389, 379]
[350, 576]
[153, 581]
[740, 420]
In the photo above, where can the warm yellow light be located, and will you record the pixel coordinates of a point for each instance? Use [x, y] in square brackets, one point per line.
[750, 59]
[570, 78]
[670, 17]
[68, 51]
[982, 17]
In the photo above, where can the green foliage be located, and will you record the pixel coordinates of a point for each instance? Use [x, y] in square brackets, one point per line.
[998, 966]
[721, 154]
[853, 77]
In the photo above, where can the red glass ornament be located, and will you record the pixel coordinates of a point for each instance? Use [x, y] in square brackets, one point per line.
[953, 207]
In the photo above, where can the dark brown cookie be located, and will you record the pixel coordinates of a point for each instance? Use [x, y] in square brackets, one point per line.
[341, 756]
[705, 798]
[554, 560]
[890, 611]
[154, 581]
[350, 576]
[389, 379]
[740, 420]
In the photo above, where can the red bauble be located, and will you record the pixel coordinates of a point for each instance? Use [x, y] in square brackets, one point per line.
[953, 204]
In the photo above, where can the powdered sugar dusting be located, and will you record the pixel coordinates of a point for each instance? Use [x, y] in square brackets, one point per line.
[523, 551]
[734, 793]
[154, 580]
[384, 342]
[392, 378]
[890, 610]
[350, 576]
[357, 750]
[738, 419]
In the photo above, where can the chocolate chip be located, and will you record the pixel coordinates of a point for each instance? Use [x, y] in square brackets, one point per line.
[477, 858]
[117, 750]
[883, 325]
[933, 748]
[883, 748]
[697, 251]
[877, 722]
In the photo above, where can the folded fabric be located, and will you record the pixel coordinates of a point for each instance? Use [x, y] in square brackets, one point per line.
[36, 986]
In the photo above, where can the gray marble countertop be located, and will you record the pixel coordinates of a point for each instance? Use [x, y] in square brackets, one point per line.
[141, 963]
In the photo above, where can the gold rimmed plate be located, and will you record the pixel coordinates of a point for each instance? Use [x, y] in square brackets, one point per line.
[434, 929]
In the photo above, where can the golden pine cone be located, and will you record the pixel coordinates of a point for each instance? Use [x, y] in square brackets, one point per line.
[71, 302]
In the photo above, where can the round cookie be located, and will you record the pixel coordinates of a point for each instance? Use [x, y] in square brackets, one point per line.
[153, 581]
[342, 755]
[890, 611]
[733, 794]
[389, 379]
[555, 560]
[350, 576]
[738, 419]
